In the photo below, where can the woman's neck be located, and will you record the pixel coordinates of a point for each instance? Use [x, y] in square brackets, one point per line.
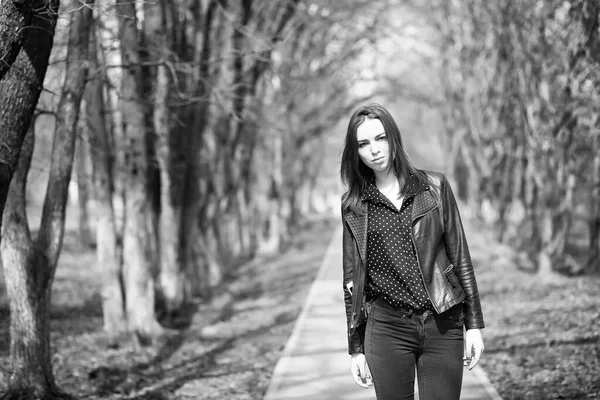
[389, 185]
[385, 179]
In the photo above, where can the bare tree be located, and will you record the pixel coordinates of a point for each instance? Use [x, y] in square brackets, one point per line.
[139, 266]
[198, 259]
[518, 107]
[25, 54]
[14, 17]
[160, 41]
[96, 133]
[30, 264]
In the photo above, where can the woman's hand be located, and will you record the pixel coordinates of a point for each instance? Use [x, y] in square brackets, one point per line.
[360, 370]
[473, 346]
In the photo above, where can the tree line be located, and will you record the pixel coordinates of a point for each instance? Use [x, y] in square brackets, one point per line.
[520, 91]
[194, 130]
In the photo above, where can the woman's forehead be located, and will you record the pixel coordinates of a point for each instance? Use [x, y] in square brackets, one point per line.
[370, 128]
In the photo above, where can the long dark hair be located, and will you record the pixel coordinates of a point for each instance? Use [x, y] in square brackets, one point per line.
[356, 175]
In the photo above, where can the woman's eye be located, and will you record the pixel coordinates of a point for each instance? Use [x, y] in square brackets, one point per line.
[361, 145]
[384, 137]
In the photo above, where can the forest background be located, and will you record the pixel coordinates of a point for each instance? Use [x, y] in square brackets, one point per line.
[166, 145]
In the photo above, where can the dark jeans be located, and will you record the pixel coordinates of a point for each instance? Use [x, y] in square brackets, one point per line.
[396, 342]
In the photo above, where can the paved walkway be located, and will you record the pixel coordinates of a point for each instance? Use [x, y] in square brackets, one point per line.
[315, 364]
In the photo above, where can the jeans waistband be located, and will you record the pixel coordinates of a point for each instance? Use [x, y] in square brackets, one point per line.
[380, 302]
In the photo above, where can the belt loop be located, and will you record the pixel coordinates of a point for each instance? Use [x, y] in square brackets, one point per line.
[409, 313]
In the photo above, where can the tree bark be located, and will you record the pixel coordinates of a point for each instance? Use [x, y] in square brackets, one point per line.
[101, 153]
[158, 24]
[14, 17]
[26, 273]
[590, 21]
[83, 190]
[30, 266]
[270, 221]
[546, 253]
[21, 85]
[593, 262]
[172, 279]
[138, 273]
[198, 194]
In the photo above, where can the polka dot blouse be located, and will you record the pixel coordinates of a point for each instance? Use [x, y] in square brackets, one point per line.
[392, 267]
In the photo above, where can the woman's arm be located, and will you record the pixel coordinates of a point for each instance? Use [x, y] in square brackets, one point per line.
[458, 253]
[349, 259]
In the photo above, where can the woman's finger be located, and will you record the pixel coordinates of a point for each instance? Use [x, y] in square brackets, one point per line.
[477, 351]
[358, 377]
[368, 377]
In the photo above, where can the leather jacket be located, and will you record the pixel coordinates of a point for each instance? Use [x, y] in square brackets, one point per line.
[442, 253]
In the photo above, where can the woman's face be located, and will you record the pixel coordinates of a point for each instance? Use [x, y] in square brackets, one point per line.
[373, 147]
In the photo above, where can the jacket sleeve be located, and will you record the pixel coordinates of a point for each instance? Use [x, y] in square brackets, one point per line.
[458, 253]
[349, 259]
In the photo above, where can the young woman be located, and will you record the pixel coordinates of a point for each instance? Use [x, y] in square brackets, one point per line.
[409, 285]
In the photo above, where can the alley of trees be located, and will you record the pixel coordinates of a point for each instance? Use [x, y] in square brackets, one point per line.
[194, 131]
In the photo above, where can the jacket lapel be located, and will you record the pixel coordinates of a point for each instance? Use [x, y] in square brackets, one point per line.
[358, 227]
[423, 203]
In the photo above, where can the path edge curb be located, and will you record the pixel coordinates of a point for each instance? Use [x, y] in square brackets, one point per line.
[485, 382]
[295, 335]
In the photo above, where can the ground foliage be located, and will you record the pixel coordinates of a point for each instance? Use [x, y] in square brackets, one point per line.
[542, 337]
[225, 349]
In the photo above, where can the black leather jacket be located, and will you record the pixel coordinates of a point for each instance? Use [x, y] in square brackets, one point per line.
[442, 253]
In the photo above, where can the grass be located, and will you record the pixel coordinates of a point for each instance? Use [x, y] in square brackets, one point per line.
[228, 352]
[542, 338]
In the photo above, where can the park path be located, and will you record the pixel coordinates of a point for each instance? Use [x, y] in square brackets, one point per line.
[315, 364]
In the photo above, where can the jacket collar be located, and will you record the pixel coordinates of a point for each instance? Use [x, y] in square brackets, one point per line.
[358, 226]
[372, 194]
[423, 203]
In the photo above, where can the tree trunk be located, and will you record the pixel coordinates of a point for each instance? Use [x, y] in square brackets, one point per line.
[25, 272]
[545, 254]
[555, 223]
[101, 151]
[171, 274]
[83, 191]
[236, 134]
[190, 229]
[21, 85]
[14, 18]
[212, 244]
[269, 234]
[270, 226]
[593, 262]
[197, 117]
[29, 266]
[212, 216]
[210, 265]
[158, 22]
[137, 235]
[243, 222]
[514, 219]
[530, 200]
